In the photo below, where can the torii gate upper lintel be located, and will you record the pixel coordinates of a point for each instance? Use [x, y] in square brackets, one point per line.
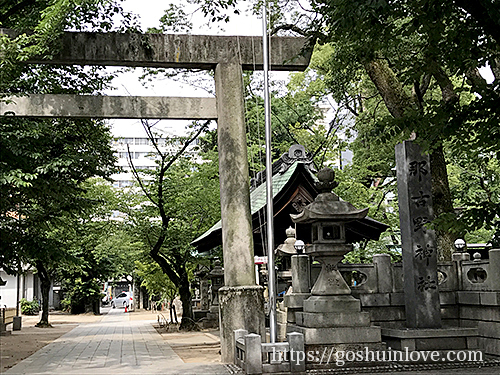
[241, 301]
[175, 51]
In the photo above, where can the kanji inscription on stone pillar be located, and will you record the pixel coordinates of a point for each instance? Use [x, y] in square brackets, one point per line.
[418, 241]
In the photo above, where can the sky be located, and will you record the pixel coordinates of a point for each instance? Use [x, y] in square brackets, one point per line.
[149, 12]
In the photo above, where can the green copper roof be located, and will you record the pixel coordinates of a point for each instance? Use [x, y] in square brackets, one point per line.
[258, 195]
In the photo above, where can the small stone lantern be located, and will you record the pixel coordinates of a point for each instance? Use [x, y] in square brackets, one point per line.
[327, 216]
[216, 276]
[331, 316]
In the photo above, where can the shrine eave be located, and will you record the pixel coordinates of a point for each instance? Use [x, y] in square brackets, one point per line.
[283, 185]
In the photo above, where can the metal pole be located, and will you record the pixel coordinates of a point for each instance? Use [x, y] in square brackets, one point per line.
[269, 184]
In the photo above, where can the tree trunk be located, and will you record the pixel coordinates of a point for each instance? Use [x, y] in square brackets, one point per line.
[398, 102]
[442, 202]
[45, 288]
[187, 321]
[96, 307]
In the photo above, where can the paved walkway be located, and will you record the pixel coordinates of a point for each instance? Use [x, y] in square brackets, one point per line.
[115, 345]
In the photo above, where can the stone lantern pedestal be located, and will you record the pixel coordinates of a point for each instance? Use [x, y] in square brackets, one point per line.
[331, 316]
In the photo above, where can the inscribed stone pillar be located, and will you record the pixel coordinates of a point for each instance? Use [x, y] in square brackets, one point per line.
[241, 302]
[419, 246]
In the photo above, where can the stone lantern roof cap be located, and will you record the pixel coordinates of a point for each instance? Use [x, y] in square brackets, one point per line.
[327, 206]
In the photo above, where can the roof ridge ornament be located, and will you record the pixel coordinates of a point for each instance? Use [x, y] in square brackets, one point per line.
[296, 153]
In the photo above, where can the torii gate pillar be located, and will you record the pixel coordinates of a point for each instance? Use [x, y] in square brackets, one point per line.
[241, 301]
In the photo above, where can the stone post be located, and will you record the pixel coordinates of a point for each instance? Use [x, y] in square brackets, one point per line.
[494, 269]
[384, 272]
[298, 360]
[253, 354]
[418, 242]
[241, 301]
[301, 276]
[457, 259]
[204, 297]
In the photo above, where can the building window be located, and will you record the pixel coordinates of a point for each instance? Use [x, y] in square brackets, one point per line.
[126, 141]
[142, 141]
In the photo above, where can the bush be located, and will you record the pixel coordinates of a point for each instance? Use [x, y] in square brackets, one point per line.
[29, 307]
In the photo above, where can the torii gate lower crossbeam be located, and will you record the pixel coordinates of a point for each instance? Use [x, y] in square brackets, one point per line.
[241, 300]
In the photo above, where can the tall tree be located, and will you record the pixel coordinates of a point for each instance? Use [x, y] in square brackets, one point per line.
[180, 200]
[422, 58]
[44, 162]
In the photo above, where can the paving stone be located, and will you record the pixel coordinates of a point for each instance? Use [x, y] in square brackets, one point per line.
[113, 346]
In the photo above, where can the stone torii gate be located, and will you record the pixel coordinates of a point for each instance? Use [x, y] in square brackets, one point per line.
[241, 300]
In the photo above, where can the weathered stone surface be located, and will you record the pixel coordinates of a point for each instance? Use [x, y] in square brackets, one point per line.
[441, 343]
[295, 300]
[241, 306]
[460, 257]
[429, 333]
[386, 314]
[453, 338]
[494, 274]
[125, 107]
[237, 238]
[301, 274]
[320, 304]
[486, 313]
[340, 319]
[490, 346]
[468, 298]
[253, 354]
[338, 335]
[489, 298]
[447, 298]
[176, 51]
[450, 312]
[375, 299]
[489, 329]
[447, 276]
[397, 299]
[296, 342]
[419, 248]
[384, 272]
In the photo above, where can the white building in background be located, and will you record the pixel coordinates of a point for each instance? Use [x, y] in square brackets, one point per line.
[28, 286]
[131, 144]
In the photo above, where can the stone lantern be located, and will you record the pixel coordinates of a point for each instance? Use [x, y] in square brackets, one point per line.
[285, 251]
[328, 216]
[216, 276]
[331, 316]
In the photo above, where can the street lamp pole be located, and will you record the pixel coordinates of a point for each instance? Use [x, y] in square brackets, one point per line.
[269, 183]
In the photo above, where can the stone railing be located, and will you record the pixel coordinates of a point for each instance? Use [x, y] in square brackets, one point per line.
[469, 293]
[382, 276]
[256, 357]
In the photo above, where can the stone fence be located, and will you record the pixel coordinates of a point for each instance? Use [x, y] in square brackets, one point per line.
[256, 357]
[469, 292]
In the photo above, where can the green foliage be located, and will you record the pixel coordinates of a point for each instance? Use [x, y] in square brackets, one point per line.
[45, 162]
[82, 294]
[156, 281]
[29, 307]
